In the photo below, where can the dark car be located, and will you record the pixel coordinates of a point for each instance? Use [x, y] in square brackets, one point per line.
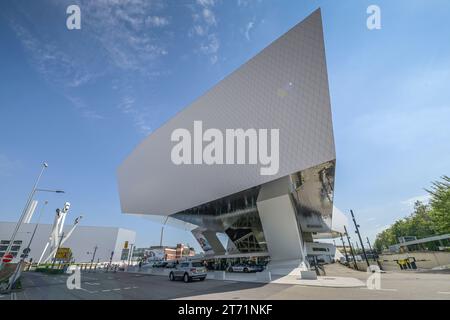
[161, 264]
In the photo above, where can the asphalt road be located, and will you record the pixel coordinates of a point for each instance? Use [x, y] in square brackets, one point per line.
[100, 285]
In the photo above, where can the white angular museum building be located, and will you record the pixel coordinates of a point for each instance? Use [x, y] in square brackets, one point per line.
[254, 158]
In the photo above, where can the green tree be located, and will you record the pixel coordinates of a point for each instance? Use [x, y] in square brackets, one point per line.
[440, 205]
[425, 221]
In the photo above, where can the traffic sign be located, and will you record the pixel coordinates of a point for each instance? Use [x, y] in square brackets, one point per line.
[125, 254]
[7, 258]
[63, 254]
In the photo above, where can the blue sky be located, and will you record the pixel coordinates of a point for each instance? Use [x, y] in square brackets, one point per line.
[82, 100]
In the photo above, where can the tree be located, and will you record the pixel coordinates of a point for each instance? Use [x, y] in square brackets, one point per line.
[440, 205]
[425, 221]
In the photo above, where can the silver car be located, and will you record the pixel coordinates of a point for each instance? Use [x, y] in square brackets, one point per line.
[242, 267]
[188, 271]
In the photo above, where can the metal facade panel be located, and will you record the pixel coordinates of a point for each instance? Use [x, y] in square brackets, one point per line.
[284, 87]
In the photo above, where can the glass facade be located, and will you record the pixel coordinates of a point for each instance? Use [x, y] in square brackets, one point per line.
[237, 217]
[15, 248]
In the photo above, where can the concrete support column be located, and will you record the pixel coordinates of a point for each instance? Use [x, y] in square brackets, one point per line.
[281, 229]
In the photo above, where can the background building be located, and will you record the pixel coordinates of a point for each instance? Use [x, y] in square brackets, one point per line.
[152, 253]
[82, 242]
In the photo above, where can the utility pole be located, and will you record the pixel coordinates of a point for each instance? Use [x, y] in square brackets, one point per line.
[351, 249]
[345, 250]
[359, 236]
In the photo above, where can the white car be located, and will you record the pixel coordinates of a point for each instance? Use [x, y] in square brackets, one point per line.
[188, 271]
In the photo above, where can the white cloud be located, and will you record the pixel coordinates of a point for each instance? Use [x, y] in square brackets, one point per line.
[118, 40]
[249, 27]
[204, 24]
[82, 107]
[206, 3]
[157, 21]
[209, 17]
[409, 203]
[210, 47]
[199, 30]
[140, 118]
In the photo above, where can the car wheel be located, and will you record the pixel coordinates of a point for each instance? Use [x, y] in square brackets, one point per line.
[186, 278]
[245, 270]
[230, 269]
[202, 279]
[171, 277]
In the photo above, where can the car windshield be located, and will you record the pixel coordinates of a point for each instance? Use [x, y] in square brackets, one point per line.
[197, 264]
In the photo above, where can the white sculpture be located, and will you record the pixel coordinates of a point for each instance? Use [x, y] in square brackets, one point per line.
[56, 232]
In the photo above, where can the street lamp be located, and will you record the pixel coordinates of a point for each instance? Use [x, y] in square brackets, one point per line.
[30, 197]
[48, 190]
[162, 231]
[22, 217]
[26, 251]
[35, 227]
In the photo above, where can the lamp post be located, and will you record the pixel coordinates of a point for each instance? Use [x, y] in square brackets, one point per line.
[26, 251]
[360, 239]
[162, 231]
[345, 250]
[93, 256]
[24, 211]
[13, 236]
[35, 228]
[351, 249]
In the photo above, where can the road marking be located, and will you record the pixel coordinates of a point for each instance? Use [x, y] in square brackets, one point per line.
[13, 296]
[127, 288]
[443, 292]
[135, 287]
[379, 289]
[93, 283]
[87, 290]
[106, 290]
[116, 289]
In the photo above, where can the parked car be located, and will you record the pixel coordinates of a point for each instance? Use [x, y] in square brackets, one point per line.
[243, 267]
[160, 264]
[259, 267]
[188, 271]
[148, 265]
